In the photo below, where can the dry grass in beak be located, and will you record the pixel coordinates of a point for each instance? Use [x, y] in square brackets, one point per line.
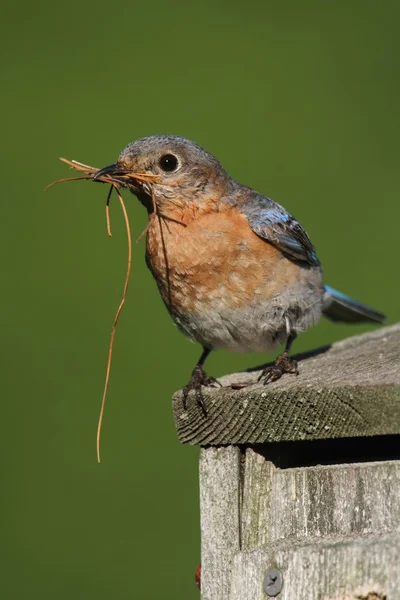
[91, 171]
[115, 184]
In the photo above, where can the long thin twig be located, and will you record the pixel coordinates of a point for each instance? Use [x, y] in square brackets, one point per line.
[114, 326]
[123, 178]
[66, 179]
[108, 221]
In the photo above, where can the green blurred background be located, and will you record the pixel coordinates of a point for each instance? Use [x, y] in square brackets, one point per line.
[297, 99]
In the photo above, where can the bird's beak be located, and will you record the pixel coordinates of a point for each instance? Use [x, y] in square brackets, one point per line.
[112, 170]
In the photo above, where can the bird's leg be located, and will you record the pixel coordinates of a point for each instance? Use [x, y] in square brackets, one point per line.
[283, 364]
[199, 378]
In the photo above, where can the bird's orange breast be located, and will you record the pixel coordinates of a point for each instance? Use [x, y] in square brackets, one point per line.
[215, 259]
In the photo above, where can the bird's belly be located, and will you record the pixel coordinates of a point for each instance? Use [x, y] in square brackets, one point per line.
[228, 289]
[257, 327]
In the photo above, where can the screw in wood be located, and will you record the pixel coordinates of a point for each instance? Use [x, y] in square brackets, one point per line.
[273, 582]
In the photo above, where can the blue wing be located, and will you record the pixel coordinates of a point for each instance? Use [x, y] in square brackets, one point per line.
[275, 225]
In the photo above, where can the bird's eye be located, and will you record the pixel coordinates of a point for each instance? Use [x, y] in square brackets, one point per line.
[168, 163]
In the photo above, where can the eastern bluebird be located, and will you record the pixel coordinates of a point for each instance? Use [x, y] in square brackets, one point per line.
[235, 270]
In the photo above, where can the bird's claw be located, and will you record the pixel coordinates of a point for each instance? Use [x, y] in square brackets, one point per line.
[283, 364]
[199, 378]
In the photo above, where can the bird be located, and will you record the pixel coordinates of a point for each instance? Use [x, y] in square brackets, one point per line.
[236, 270]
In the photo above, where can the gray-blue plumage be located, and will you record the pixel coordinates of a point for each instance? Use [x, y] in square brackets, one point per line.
[276, 225]
[272, 222]
[339, 307]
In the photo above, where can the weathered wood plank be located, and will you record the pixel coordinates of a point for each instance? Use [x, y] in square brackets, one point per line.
[317, 502]
[335, 501]
[248, 503]
[257, 481]
[351, 389]
[219, 507]
[352, 569]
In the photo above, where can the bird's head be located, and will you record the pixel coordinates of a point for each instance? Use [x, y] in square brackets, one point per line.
[169, 170]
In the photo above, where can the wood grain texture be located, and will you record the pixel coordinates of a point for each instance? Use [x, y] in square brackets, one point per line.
[317, 502]
[347, 569]
[335, 501]
[351, 389]
[256, 493]
[249, 505]
[219, 507]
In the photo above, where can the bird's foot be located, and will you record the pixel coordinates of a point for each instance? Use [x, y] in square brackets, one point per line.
[283, 364]
[199, 378]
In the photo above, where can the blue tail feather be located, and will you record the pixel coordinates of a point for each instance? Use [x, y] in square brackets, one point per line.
[339, 307]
